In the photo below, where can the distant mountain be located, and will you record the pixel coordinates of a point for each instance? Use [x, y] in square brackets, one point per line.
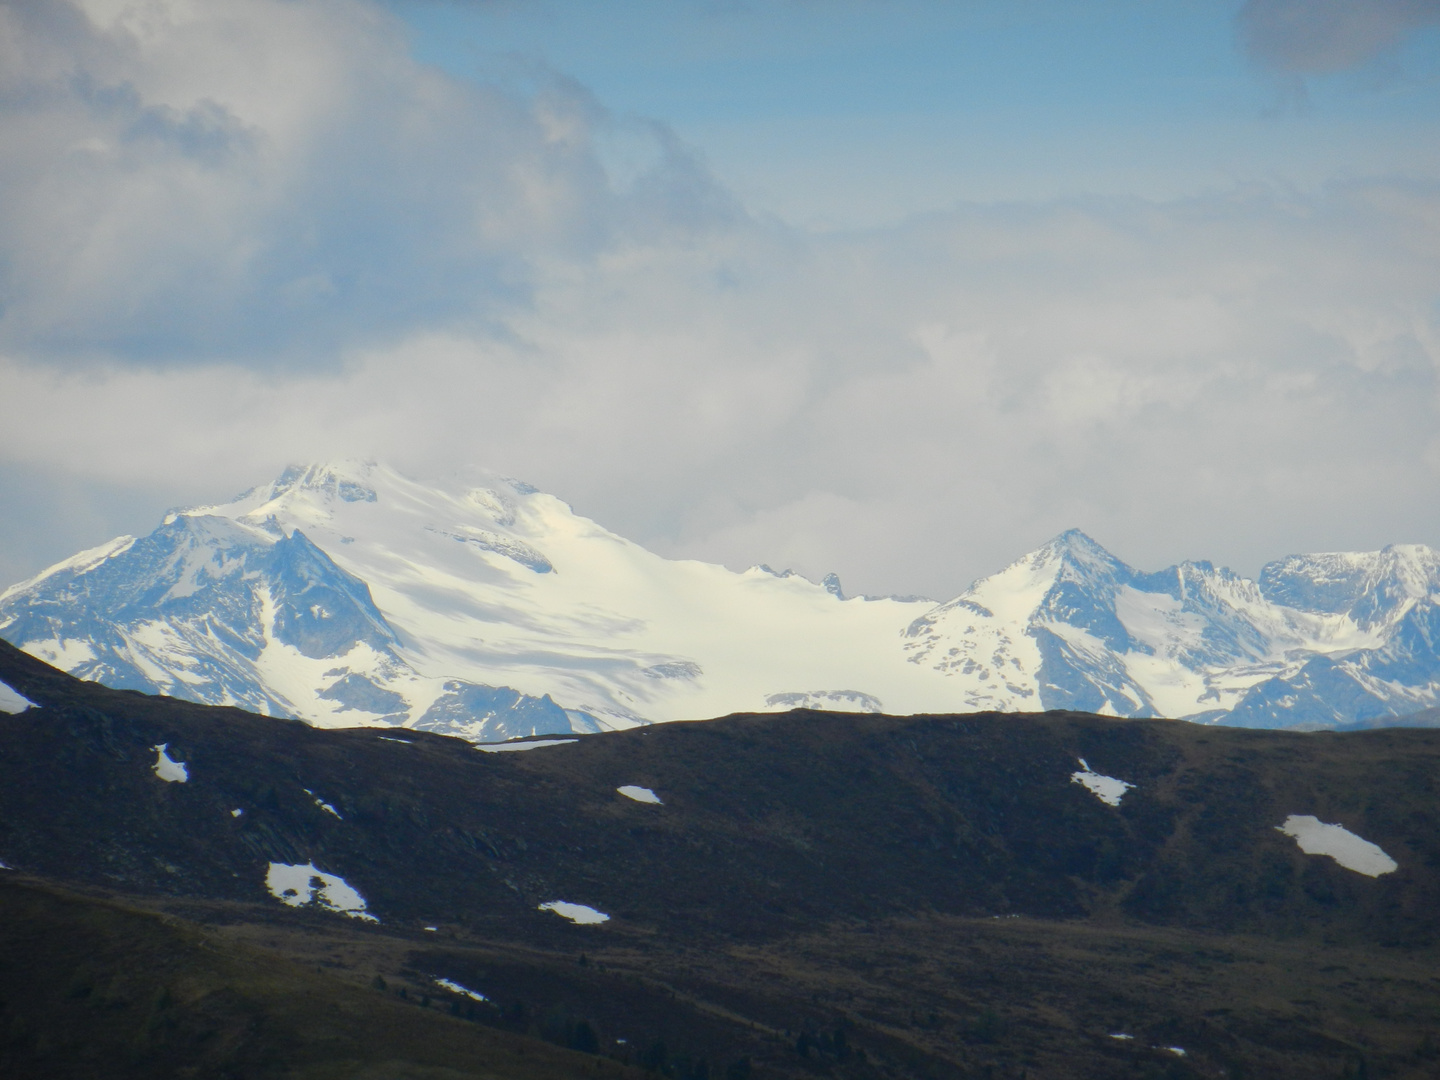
[229, 612]
[1320, 641]
[348, 594]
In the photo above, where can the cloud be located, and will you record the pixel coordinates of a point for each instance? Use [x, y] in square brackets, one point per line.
[235, 236]
[1230, 377]
[268, 181]
[1318, 37]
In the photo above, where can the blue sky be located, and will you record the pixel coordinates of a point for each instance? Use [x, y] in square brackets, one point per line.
[848, 114]
[886, 287]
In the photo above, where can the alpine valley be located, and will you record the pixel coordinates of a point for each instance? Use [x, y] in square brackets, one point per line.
[347, 594]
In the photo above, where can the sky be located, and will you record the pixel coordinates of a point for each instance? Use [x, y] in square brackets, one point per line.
[894, 288]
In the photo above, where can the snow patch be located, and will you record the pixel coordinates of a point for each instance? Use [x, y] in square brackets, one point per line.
[298, 885]
[1107, 789]
[455, 987]
[387, 738]
[495, 748]
[12, 701]
[640, 794]
[323, 804]
[576, 913]
[173, 772]
[237, 812]
[1350, 851]
[1121, 1036]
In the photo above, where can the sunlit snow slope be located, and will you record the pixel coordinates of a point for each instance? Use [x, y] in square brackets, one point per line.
[425, 599]
[349, 594]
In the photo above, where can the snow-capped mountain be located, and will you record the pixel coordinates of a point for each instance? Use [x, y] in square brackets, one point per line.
[1319, 641]
[229, 612]
[348, 594]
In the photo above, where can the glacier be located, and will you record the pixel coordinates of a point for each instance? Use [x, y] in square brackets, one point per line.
[348, 594]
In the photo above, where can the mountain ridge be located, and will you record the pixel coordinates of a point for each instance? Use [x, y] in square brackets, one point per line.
[484, 607]
[941, 897]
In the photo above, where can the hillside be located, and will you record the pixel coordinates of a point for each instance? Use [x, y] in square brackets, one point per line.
[813, 894]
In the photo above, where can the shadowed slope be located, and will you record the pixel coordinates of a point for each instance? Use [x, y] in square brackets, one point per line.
[936, 891]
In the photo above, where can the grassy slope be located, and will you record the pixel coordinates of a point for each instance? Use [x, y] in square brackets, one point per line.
[819, 895]
[95, 988]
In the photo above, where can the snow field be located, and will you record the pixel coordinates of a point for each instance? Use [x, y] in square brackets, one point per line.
[1350, 851]
[576, 913]
[639, 794]
[456, 988]
[12, 701]
[1178, 1051]
[172, 772]
[322, 804]
[1107, 789]
[477, 614]
[297, 885]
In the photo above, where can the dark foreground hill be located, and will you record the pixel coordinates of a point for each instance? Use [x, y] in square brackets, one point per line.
[815, 895]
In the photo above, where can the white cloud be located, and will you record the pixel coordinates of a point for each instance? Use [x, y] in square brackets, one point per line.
[270, 179]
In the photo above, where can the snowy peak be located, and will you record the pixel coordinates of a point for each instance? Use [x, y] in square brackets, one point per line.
[1369, 587]
[1330, 638]
[1086, 581]
[193, 608]
[348, 593]
[493, 518]
[346, 481]
[1081, 557]
[1070, 577]
[227, 605]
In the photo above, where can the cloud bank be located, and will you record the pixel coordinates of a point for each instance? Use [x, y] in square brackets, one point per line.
[236, 236]
[262, 179]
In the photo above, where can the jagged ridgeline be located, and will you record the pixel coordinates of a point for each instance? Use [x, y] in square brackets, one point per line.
[348, 594]
[798, 895]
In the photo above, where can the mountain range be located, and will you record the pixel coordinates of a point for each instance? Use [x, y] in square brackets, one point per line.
[348, 594]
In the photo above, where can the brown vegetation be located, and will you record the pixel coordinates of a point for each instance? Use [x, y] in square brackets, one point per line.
[869, 898]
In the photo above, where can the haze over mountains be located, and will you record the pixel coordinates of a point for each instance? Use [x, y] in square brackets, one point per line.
[348, 594]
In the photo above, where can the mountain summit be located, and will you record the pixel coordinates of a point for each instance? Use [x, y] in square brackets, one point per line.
[349, 594]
